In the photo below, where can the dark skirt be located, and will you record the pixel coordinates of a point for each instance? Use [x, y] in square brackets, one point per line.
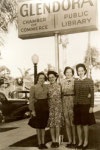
[82, 115]
[42, 114]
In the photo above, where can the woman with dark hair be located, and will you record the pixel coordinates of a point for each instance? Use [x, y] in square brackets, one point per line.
[39, 107]
[83, 105]
[55, 108]
[67, 85]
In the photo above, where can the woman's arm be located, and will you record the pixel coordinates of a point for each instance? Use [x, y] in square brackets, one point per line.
[32, 99]
[91, 88]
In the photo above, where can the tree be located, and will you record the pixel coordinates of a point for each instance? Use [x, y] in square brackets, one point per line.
[91, 59]
[3, 68]
[94, 57]
[8, 15]
[25, 76]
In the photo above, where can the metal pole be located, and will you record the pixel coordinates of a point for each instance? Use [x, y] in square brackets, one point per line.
[57, 52]
[89, 56]
[35, 73]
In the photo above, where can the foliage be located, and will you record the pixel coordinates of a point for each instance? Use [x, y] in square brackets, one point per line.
[8, 14]
[92, 57]
[19, 81]
[3, 68]
[63, 41]
[24, 72]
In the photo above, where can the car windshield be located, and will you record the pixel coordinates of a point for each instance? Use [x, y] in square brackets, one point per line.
[20, 95]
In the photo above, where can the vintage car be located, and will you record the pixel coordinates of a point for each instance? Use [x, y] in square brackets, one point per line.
[15, 106]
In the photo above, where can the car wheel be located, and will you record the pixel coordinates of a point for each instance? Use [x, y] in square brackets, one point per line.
[2, 118]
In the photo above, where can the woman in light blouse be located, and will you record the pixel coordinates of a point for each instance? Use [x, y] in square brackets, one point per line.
[39, 107]
[68, 95]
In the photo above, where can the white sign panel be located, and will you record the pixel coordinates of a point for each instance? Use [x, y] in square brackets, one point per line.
[39, 18]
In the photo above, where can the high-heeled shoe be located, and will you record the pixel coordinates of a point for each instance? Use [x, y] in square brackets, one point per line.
[79, 146]
[53, 144]
[69, 145]
[56, 144]
[85, 147]
[74, 145]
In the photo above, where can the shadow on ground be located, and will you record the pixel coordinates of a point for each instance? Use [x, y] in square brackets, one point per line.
[7, 129]
[94, 137]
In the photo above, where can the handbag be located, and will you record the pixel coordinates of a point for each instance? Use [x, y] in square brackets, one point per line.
[32, 121]
[92, 119]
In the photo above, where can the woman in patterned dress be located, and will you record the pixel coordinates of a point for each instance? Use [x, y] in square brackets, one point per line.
[67, 85]
[55, 108]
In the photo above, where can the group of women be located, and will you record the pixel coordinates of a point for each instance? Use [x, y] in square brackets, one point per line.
[69, 103]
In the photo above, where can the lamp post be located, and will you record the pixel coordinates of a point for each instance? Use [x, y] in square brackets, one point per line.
[35, 60]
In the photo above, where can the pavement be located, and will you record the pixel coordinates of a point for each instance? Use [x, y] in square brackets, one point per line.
[22, 131]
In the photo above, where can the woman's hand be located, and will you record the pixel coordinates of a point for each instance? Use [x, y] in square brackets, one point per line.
[91, 110]
[33, 113]
[89, 95]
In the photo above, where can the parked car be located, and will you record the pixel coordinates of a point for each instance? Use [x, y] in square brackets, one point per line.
[97, 98]
[14, 108]
[20, 94]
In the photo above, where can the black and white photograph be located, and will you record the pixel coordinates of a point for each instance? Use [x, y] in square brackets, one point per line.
[49, 74]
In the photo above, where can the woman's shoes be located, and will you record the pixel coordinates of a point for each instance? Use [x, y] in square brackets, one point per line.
[69, 145]
[42, 146]
[85, 147]
[55, 144]
[74, 145]
[79, 146]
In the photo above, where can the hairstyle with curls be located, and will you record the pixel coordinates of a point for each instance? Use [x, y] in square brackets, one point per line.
[66, 68]
[54, 73]
[41, 73]
[81, 65]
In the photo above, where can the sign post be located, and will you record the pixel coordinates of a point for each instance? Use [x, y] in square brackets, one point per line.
[57, 52]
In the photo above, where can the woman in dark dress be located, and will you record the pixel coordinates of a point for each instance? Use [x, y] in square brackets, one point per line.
[84, 103]
[39, 107]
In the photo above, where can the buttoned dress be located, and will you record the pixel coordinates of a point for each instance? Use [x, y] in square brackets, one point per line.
[68, 100]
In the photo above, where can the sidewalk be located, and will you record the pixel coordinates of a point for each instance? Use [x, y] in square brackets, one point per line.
[24, 131]
[9, 137]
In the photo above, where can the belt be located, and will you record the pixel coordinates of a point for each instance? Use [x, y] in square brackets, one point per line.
[41, 99]
[69, 95]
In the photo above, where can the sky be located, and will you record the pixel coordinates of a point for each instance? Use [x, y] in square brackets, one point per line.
[17, 53]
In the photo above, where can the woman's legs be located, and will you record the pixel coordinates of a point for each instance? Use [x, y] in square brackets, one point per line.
[85, 129]
[39, 136]
[42, 136]
[57, 130]
[52, 131]
[74, 134]
[68, 130]
[79, 132]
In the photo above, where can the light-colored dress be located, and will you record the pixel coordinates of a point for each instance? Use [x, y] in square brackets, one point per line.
[55, 105]
[68, 100]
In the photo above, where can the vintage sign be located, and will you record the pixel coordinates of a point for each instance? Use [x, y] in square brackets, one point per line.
[40, 18]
